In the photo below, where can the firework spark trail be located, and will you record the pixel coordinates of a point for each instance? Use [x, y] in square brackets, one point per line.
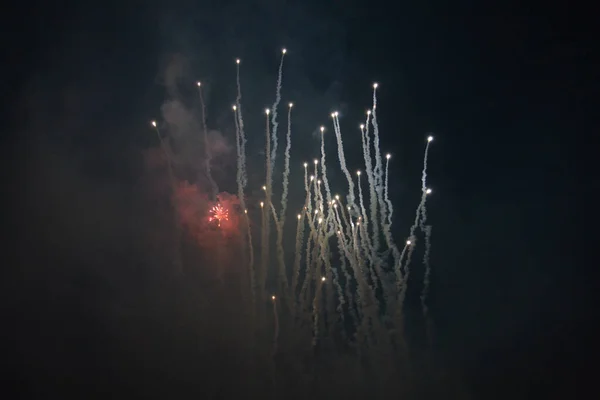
[364, 234]
[177, 257]
[265, 214]
[427, 230]
[312, 240]
[348, 232]
[286, 171]
[238, 102]
[378, 171]
[344, 268]
[298, 252]
[274, 112]
[424, 179]
[276, 321]
[342, 158]
[421, 208]
[323, 166]
[366, 143]
[240, 185]
[326, 262]
[207, 152]
[390, 207]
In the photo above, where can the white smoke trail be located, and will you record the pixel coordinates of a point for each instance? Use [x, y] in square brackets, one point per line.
[323, 166]
[274, 111]
[286, 170]
[424, 192]
[298, 252]
[342, 158]
[265, 213]
[390, 207]
[365, 140]
[238, 103]
[378, 171]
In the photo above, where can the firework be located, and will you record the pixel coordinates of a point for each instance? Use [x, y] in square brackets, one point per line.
[218, 214]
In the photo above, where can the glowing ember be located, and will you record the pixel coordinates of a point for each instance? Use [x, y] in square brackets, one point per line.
[218, 213]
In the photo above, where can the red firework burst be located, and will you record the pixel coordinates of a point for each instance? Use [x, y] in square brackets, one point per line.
[218, 213]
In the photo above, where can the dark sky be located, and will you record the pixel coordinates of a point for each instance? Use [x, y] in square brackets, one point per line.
[506, 90]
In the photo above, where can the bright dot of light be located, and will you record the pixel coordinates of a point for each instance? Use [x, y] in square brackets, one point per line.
[337, 196]
[273, 297]
[358, 172]
[312, 178]
[267, 111]
[264, 188]
[237, 61]
[430, 138]
[428, 191]
[284, 50]
[368, 112]
[362, 126]
[388, 156]
[299, 216]
[323, 279]
[291, 105]
[318, 181]
[153, 123]
[408, 242]
[245, 211]
[375, 85]
[262, 204]
[305, 164]
[316, 161]
[234, 108]
[198, 83]
[322, 129]
[320, 220]
[336, 113]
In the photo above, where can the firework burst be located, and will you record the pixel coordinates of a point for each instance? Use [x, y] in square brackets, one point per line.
[218, 214]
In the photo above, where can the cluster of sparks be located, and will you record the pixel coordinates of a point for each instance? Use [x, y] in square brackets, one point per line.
[218, 213]
[346, 263]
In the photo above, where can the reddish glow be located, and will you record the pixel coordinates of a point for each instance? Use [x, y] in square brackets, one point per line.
[218, 213]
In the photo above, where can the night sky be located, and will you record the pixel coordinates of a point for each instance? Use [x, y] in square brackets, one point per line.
[506, 90]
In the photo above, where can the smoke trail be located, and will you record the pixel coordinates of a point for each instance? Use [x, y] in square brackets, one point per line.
[274, 109]
[207, 151]
[366, 143]
[298, 252]
[323, 166]
[427, 230]
[424, 192]
[177, 257]
[342, 158]
[286, 171]
[378, 167]
[238, 102]
[390, 207]
[265, 214]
